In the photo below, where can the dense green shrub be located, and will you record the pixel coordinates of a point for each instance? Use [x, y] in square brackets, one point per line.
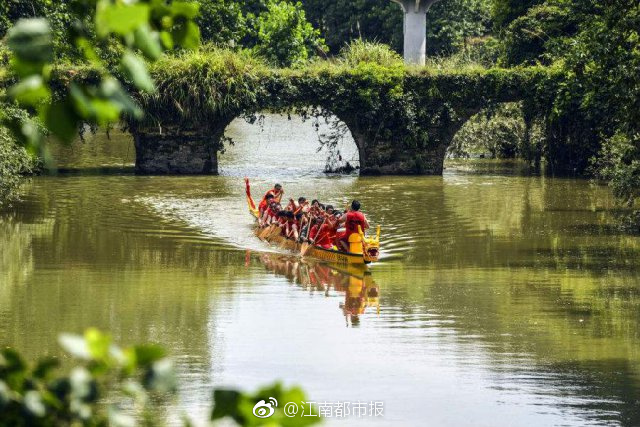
[15, 161]
[539, 35]
[362, 51]
[451, 23]
[619, 163]
[222, 22]
[285, 37]
[505, 11]
[499, 133]
[600, 98]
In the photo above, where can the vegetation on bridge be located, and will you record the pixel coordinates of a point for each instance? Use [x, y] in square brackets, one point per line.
[402, 118]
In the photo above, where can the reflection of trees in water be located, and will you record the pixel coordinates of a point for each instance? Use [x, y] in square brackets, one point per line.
[357, 284]
[529, 267]
[504, 221]
[538, 320]
[16, 259]
[72, 265]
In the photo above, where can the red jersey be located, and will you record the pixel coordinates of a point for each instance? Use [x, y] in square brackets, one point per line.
[324, 241]
[326, 235]
[354, 219]
[313, 232]
[263, 203]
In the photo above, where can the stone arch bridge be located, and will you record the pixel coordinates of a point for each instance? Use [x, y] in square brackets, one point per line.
[402, 119]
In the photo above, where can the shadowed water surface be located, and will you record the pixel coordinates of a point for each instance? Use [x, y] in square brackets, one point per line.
[500, 299]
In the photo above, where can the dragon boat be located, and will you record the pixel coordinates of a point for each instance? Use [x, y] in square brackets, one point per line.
[362, 249]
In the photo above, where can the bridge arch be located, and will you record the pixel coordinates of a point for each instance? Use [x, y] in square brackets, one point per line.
[401, 119]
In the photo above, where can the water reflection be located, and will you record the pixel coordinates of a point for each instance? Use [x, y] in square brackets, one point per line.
[355, 282]
[511, 296]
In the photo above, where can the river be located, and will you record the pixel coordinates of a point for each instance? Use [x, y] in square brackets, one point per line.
[500, 299]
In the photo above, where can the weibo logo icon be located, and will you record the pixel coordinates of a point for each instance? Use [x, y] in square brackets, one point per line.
[264, 409]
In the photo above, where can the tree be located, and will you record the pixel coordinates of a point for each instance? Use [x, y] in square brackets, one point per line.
[505, 11]
[341, 21]
[603, 65]
[285, 37]
[222, 22]
[450, 23]
[540, 35]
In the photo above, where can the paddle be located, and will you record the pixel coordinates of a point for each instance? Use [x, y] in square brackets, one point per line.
[267, 231]
[305, 249]
[304, 238]
[275, 231]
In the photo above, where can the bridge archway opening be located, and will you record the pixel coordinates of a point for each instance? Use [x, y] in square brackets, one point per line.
[273, 144]
[497, 132]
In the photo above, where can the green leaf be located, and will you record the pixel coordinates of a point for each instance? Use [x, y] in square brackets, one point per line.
[86, 47]
[30, 136]
[82, 384]
[226, 405]
[26, 68]
[98, 343]
[119, 419]
[148, 353]
[105, 111]
[166, 39]
[44, 367]
[187, 9]
[30, 40]
[187, 35]
[11, 360]
[148, 42]
[136, 70]
[61, 119]
[30, 91]
[81, 101]
[110, 88]
[135, 390]
[5, 394]
[120, 18]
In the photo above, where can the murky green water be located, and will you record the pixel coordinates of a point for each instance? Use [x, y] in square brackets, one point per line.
[503, 299]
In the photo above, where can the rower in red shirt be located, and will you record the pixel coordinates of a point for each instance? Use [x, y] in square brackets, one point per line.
[352, 219]
[270, 214]
[327, 231]
[276, 192]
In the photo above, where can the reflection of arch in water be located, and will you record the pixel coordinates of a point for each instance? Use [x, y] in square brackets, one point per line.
[360, 290]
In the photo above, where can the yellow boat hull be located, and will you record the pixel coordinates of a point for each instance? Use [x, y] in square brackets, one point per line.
[328, 255]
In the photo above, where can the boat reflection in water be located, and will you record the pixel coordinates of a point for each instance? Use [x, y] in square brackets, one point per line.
[360, 290]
